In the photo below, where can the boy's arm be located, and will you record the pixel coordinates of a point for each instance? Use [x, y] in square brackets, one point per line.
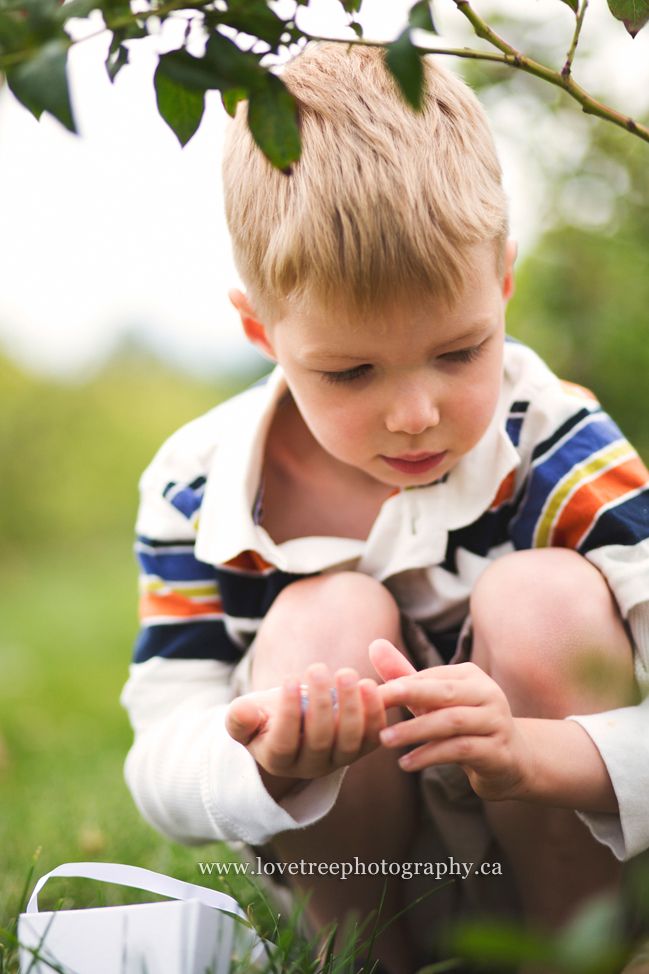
[622, 739]
[464, 718]
[189, 778]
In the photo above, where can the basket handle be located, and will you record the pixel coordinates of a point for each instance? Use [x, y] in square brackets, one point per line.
[138, 878]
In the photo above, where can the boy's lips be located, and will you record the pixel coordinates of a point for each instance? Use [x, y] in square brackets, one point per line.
[414, 463]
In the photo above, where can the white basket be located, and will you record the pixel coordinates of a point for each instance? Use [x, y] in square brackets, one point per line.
[190, 936]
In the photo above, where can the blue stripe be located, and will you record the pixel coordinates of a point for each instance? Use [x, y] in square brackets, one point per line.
[513, 428]
[251, 596]
[546, 445]
[176, 567]
[626, 523]
[490, 531]
[189, 640]
[189, 498]
[600, 432]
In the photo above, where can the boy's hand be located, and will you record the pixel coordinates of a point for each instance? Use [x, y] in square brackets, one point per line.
[462, 715]
[269, 725]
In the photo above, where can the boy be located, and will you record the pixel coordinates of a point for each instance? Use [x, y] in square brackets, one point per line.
[404, 461]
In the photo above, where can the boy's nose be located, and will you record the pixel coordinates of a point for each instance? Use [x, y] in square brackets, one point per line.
[413, 411]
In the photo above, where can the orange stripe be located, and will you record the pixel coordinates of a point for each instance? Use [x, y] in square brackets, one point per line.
[249, 561]
[581, 509]
[580, 391]
[505, 491]
[177, 605]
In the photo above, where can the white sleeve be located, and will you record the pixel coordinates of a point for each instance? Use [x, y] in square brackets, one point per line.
[622, 738]
[188, 777]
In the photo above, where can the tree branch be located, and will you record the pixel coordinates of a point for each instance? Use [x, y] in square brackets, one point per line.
[567, 68]
[561, 79]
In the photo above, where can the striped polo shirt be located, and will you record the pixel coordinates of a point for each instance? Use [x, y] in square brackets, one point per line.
[551, 469]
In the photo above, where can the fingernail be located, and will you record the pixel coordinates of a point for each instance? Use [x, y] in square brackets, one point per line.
[318, 673]
[347, 679]
[388, 735]
[405, 761]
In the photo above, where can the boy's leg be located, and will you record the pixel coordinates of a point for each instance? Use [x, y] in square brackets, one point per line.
[547, 629]
[333, 619]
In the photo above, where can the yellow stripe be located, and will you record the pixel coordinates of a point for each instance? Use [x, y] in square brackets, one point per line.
[565, 487]
[156, 585]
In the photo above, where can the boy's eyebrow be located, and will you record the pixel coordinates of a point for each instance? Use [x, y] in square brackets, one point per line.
[323, 352]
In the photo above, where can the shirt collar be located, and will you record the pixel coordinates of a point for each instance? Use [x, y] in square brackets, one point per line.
[412, 527]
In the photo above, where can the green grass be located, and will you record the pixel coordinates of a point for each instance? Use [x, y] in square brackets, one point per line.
[67, 622]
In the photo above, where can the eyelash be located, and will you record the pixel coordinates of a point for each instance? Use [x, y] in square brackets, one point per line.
[463, 355]
[348, 375]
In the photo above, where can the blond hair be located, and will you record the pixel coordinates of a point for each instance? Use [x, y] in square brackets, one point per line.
[384, 204]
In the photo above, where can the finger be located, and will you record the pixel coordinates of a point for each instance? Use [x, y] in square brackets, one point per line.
[388, 662]
[319, 720]
[283, 739]
[243, 719]
[455, 750]
[375, 716]
[442, 724]
[350, 721]
[440, 691]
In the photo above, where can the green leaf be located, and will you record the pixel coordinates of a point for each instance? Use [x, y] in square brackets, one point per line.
[240, 68]
[41, 83]
[573, 4]
[116, 60]
[498, 943]
[634, 14]
[272, 117]
[77, 8]
[404, 61]
[256, 18]
[356, 27]
[12, 32]
[593, 941]
[190, 71]
[43, 19]
[182, 108]
[231, 99]
[352, 6]
[420, 16]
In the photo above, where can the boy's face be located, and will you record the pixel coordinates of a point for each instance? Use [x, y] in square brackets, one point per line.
[402, 399]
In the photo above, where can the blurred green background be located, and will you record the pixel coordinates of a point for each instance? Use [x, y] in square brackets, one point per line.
[71, 456]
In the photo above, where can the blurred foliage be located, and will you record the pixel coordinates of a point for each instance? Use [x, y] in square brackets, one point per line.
[582, 296]
[72, 454]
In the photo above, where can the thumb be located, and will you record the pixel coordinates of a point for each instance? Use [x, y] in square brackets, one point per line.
[388, 661]
[242, 720]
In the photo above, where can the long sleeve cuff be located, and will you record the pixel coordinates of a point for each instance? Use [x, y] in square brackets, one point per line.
[622, 738]
[195, 784]
[241, 808]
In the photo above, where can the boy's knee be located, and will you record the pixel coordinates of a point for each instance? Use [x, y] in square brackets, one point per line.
[539, 614]
[328, 618]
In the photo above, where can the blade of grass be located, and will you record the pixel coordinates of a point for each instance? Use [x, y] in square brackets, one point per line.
[443, 965]
[23, 897]
[329, 949]
[375, 930]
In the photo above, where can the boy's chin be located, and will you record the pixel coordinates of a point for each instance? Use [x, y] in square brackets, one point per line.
[396, 480]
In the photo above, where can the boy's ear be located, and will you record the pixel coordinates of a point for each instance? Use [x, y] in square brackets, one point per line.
[253, 328]
[511, 249]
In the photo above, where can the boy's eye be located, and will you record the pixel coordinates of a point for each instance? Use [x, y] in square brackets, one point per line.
[463, 354]
[348, 375]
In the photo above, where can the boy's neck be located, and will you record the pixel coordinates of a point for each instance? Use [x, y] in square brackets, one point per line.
[307, 491]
